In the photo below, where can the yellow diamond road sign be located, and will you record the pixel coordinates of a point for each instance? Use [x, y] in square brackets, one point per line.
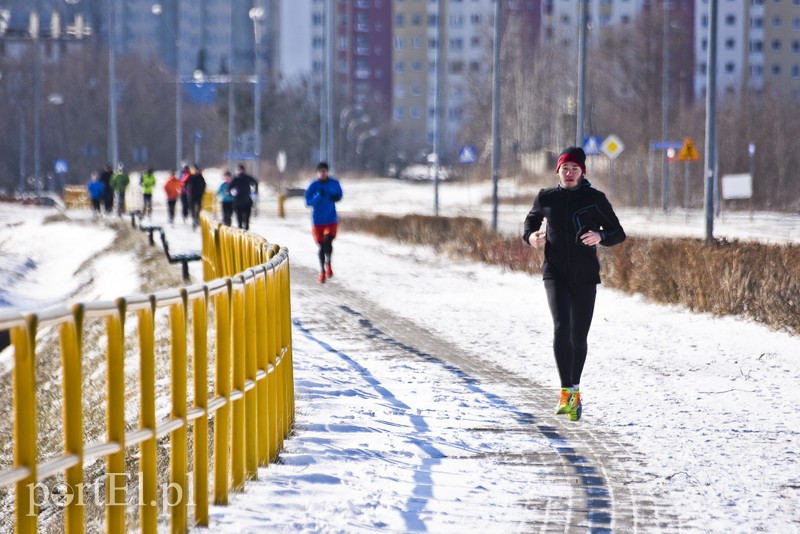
[688, 151]
[612, 146]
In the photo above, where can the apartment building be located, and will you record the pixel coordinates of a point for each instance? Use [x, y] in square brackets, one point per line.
[758, 47]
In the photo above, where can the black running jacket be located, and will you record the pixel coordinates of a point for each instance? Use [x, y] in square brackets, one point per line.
[571, 213]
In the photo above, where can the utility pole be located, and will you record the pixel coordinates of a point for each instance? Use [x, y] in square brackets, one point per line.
[439, 125]
[665, 108]
[331, 73]
[496, 110]
[113, 146]
[711, 133]
[579, 114]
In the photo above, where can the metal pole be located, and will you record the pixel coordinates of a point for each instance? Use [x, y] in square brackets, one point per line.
[579, 115]
[113, 146]
[22, 152]
[178, 113]
[438, 115]
[257, 19]
[711, 141]
[37, 105]
[231, 99]
[331, 64]
[496, 111]
[665, 109]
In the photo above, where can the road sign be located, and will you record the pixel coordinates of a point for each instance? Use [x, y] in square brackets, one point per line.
[61, 166]
[664, 145]
[591, 145]
[244, 156]
[688, 151]
[466, 154]
[612, 146]
[737, 186]
[281, 161]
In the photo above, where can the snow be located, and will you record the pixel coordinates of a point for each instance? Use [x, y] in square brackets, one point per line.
[425, 385]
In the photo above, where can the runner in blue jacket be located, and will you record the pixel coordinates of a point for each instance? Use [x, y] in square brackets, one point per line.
[322, 196]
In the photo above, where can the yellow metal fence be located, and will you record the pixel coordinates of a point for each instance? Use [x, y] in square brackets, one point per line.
[242, 312]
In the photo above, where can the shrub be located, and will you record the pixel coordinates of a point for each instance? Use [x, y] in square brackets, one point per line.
[756, 280]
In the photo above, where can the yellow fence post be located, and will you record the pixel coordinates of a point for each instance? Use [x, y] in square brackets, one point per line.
[286, 302]
[251, 413]
[148, 462]
[222, 311]
[238, 407]
[24, 340]
[276, 383]
[71, 350]
[262, 363]
[178, 490]
[200, 428]
[116, 479]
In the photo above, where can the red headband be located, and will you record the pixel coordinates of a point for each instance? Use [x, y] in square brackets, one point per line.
[569, 157]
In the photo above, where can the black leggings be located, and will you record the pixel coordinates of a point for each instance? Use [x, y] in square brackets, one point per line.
[325, 251]
[572, 308]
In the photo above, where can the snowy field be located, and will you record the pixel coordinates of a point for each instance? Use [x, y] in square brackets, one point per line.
[425, 385]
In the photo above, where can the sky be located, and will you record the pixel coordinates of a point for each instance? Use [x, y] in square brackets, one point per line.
[425, 385]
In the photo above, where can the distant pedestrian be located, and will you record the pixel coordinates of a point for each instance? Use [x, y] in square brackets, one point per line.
[226, 198]
[196, 183]
[322, 195]
[579, 218]
[96, 190]
[108, 191]
[184, 177]
[120, 181]
[173, 189]
[241, 187]
[148, 183]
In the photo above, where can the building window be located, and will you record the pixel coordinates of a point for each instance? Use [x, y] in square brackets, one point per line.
[795, 47]
[399, 113]
[400, 20]
[776, 69]
[416, 19]
[730, 20]
[730, 68]
[795, 71]
[730, 44]
[756, 46]
[399, 43]
[416, 66]
[776, 21]
[776, 44]
[416, 112]
[416, 42]
[756, 23]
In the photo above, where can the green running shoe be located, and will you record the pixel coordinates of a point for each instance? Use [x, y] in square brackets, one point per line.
[563, 403]
[575, 408]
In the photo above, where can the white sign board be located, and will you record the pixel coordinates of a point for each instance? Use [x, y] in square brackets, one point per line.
[737, 186]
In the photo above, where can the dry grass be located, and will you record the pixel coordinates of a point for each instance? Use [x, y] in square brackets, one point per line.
[754, 280]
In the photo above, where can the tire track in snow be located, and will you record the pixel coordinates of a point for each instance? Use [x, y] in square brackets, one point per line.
[596, 468]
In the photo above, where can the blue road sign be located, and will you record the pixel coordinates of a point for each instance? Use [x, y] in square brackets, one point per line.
[665, 145]
[591, 145]
[244, 156]
[61, 166]
[466, 154]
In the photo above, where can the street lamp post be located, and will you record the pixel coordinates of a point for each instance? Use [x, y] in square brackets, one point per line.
[158, 10]
[257, 16]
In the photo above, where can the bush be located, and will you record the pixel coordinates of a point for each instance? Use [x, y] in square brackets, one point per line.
[756, 280]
